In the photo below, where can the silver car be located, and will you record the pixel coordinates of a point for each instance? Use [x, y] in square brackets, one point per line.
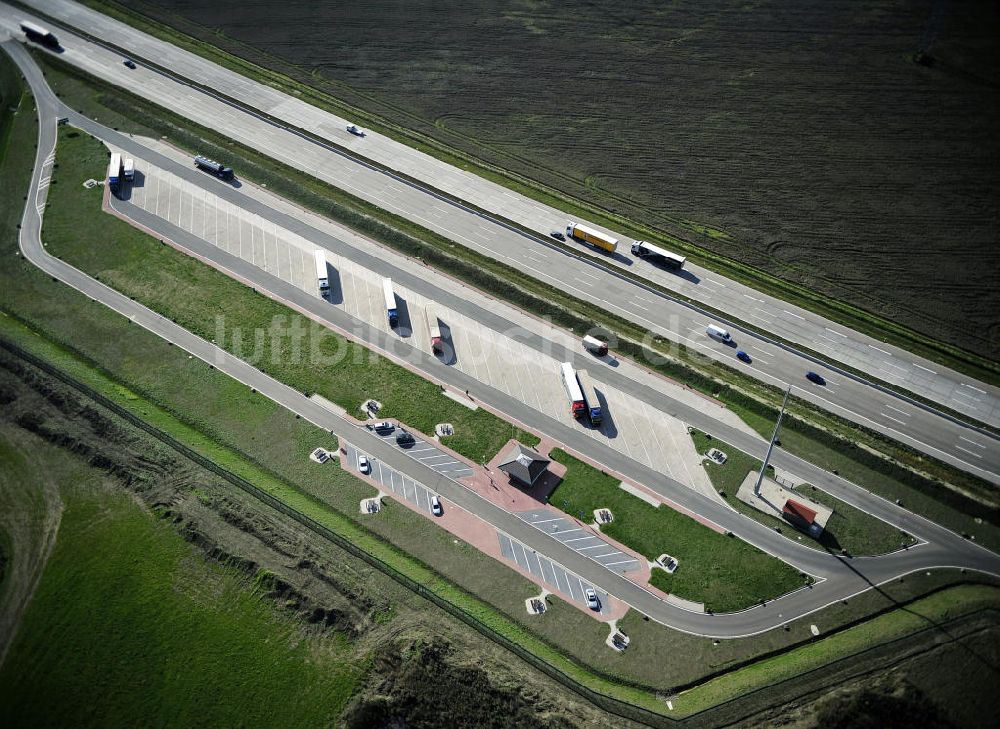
[592, 601]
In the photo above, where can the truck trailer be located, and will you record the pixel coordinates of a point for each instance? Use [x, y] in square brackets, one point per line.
[115, 172]
[390, 303]
[39, 34]
[594, 237]
[577, 405]
[645, 250]
[434, 332]
[593, 408]
[216, 168]
[322, 275]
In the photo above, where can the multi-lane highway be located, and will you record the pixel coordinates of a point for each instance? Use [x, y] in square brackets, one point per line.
[838, 578]
[949, 440]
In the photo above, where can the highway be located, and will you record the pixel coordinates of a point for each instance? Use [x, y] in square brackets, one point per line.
[949, 440]
[838, 578]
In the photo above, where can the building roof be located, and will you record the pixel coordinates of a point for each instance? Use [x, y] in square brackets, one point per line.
[522, 463]
[794, 508]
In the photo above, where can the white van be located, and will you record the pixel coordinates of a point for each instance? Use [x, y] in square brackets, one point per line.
[717, 332]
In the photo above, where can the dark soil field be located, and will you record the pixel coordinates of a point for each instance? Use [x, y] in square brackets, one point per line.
[806, 133]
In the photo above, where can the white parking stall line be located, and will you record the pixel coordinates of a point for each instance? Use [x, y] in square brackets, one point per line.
[602, 556]
[578, 539]
[596, 546]
[624, 561]
[570, 531]
[546, 521]
[543, 562]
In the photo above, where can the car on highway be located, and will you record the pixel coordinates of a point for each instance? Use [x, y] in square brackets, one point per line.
[363, 465]
[129, 63]
[436, 509]
[815, 377]
[557, 235]
[355, 130]
[592, 602]
[743, 357]
[404, 439]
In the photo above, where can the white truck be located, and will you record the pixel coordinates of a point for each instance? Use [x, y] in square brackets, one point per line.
[322, 275]
[129, 169]
[642, 249]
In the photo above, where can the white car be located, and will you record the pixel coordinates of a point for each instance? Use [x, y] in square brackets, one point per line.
[363, 465]
[353, 129]
[436, 509]
[592, 602]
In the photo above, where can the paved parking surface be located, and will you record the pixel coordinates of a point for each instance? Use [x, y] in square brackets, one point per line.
[496, 358]
[582, 539]
[429, 454]
[551, 573]
[392, 480]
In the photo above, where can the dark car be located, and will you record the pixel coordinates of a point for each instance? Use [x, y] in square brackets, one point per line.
[557, 235]
[743, 357]
[815, 377]
[404, 439]
[129, 63]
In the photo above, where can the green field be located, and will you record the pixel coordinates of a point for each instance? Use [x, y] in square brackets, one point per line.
[848, 529]
[127, 614]
[196, 296]
[723, 572]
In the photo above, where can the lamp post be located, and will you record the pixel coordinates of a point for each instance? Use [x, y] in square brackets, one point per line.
[770, 446]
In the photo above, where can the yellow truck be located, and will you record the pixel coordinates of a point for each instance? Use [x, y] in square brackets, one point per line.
[594, 237]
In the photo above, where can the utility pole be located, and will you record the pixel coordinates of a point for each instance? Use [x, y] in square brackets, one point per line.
[770, 447]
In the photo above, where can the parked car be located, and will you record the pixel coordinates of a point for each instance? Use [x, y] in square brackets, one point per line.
[592, 602]
[436, 509]
[384, 427]
[557, 235]
[404, 439]
[815, 377]
[128, 62]
[743, 357]
[363, 465]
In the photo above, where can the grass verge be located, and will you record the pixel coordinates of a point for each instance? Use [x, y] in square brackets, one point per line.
[849, 528]
[724, 573]
[198, 297]
[937, 491]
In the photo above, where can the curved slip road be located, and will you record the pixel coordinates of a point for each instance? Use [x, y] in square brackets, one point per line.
[950, 440]
[838, 578]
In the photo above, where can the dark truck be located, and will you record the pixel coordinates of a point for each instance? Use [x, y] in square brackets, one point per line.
[216, 168]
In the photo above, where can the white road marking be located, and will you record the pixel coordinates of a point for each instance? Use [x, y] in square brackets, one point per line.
[898, 410]
[835, 332]
[924, 368]
[975, 455]
[792, 313]
[880, 350]
[886, 415]
[977, 445]
[981, 392]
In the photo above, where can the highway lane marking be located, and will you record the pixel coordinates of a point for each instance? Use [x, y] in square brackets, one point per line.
[755, 298]
[978, 445]
[880, 350]
[835, 332]
[886, 415]
[925, 369]
[971, 453]
[792, 313]
[981, 392]
[898, 410]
